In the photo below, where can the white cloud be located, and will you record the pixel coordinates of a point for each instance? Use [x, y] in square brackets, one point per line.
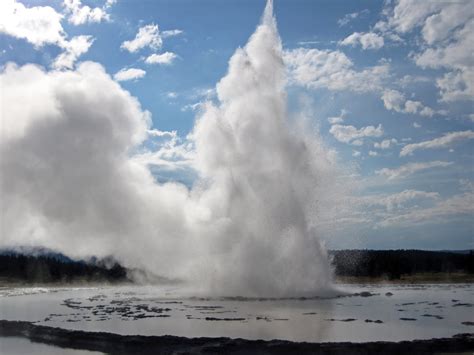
[171, 95]
[38, 25]
[171, 153]
[410, 168]
[346, 134]
[442, 142]
[447, 29]
[147, 36]
[455, 54]
[199, 97]
[158, 133]
[457, 205]
[41, 25]
[416, 125]
[439, 26]
[394, 100]
[73, 49]
[357, 142]
[80, 14]
[385, 144]
[408, 80]
[352, 16]
[355, 153]
[203, 93]
[368, 40]
[314, 68]
[338, 119]
[466, 185]
[192, 107]
[409, 14]
[372, 153]
[171, 33]
[397, 200]
[374, 209]
[457, 85]
[163, 58]
[129, 74]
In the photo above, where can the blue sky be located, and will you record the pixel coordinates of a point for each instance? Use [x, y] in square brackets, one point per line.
[389, 86]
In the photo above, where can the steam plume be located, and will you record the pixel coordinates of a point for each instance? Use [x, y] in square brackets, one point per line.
[249, 226]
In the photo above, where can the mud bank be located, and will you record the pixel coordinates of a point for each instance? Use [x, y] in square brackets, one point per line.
[119, 344]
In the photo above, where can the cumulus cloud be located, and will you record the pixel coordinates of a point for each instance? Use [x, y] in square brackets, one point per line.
[41, 25]
[445, 141]
[409, 14]
[457, 85]
[147, 36]
[315, 69]
[394, 100]
[457, 56]
[411, 168]
[163, 58]
[80, 14]
[368, 40]
[73, 49]
[385, 144]
[38, 25]
[129, 74]
[438, 21]
[338, 119]
[347, 134]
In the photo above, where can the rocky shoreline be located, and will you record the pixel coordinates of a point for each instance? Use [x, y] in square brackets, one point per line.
[135, 344]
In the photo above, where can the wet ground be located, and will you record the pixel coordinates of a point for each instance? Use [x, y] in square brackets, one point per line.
[362, 313]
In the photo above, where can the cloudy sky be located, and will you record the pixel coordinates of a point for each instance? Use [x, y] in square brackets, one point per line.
[387, 86]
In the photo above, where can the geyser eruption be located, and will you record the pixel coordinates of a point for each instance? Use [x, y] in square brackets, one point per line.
[264, 175]
[250, 224]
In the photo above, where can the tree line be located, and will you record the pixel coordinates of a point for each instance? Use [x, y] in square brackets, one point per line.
[48, 268]
[395, 263]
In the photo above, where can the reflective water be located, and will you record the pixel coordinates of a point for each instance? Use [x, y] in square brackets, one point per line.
[366, 313]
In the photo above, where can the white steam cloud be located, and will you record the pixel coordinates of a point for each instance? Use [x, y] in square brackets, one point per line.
[248, 226]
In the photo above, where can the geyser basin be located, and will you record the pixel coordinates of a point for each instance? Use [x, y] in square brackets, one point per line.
[370, 313]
